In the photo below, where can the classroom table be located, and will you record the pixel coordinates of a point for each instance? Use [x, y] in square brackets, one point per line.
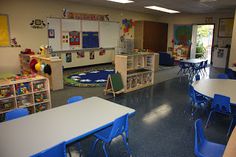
[230, 150]
[192, 61]
[209, 87]
[28, 135]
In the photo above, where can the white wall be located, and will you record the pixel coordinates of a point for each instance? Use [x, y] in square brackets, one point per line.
[22, 12]
[232, 58]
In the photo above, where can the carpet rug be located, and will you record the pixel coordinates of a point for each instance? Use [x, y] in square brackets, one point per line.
[91, 78]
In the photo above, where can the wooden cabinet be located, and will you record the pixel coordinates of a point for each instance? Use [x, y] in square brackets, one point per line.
[137, 70]
[56, 77]
[31, 93]
[151, 35]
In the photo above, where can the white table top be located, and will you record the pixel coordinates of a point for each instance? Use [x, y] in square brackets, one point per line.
[31, 134]
[192, 61]
[233, 68]
[209, 87]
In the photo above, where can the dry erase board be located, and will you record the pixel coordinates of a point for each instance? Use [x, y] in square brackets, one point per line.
[109, 34]
[67, 34]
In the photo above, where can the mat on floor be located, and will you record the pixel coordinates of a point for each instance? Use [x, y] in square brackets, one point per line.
[91, 78]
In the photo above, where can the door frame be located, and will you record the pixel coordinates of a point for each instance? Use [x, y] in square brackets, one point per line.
[213, 40]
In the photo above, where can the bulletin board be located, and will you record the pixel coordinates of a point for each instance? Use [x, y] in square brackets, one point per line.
[225, 27]
[4, 30]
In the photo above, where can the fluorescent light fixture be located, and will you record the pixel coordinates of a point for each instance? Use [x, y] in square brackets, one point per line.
[121, 1]
[162, 9]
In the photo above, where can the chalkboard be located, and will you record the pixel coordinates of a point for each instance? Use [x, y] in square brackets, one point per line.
[116, 81]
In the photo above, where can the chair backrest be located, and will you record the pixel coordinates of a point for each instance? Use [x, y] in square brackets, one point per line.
[222, 76]
[74, 99]
[199, 137]
[120, 126]
[55, 151]
[192, 93]
[221, 103]
[16, 113]
[205, 63]
[197, 77]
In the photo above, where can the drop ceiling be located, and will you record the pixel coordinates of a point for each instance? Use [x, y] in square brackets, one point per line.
[184, 6]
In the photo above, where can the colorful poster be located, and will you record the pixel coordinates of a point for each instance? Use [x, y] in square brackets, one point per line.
[74, 38]
[90, 40]
[4, 31]
[182, 41]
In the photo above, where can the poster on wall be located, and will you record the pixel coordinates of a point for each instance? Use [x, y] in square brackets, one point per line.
[90, 40]
[68, 57]
[4, 31]
[226, 27]
[51, 33]
[182, 41]
[102, 51]
[70, 40]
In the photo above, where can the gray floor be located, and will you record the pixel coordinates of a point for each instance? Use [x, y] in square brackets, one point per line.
[160, 127]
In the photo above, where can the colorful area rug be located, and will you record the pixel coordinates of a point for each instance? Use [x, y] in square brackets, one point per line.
[92, 78]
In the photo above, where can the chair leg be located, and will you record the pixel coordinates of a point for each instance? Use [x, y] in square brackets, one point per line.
[79, 148]
[68, 150]
[94, 146]
[126, 144]
[208, 119]
[230, 126]
[105, 150]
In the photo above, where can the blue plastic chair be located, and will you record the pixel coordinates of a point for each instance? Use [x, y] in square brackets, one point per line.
[119, 127]
[16, 113]
[197, 100]
[221, 104]
[222, 76]
[55, 151]
[230, 73]
[203, 147]
[197, 77]
[74, 99]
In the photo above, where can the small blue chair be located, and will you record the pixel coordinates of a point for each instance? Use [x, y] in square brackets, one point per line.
[74, 99]
[119, 127]
[16, 113]
[203, 147]
[221, 104]
[197, 100]
[222, 76]
[197, 77]
[230, 73]
[55, 151]
[69, 101]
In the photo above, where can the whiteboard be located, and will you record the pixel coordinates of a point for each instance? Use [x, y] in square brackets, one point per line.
[55, 24]
[71, 25]
[89, 26]
[109, 34]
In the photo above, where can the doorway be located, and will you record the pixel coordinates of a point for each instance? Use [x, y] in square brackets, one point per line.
[202, 41]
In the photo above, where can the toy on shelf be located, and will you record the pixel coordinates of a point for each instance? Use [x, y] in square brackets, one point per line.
[24, 101]
[23, 88]
[40, 97]
[6, 104]
[6, 91]
[39, 86]
[41, 107]
[44, 51]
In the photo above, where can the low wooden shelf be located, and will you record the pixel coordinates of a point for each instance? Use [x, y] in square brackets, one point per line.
[137, 70]
[11, 96]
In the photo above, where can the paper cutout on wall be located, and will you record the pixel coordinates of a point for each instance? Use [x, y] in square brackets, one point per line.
[91, 54]
[51, 33]
[80, 54]
[90, 40]
[102, 52]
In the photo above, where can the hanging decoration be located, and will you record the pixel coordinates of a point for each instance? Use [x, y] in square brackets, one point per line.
[127, 25]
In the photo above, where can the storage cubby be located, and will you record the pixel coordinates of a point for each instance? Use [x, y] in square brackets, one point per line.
[137, 69]
[31, 93]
